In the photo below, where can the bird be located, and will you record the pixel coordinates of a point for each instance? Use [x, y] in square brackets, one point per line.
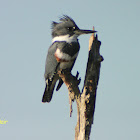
[62, 53]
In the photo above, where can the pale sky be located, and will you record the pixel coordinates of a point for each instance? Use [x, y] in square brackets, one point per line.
[25, 36]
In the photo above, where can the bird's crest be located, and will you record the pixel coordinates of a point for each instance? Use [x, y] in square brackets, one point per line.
[64, 18]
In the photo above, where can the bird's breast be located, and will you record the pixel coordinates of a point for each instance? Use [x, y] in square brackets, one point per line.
[64, 57]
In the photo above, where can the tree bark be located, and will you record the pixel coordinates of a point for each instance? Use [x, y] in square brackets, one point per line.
[85, 100]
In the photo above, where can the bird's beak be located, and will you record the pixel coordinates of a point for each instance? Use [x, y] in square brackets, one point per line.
[80, 32]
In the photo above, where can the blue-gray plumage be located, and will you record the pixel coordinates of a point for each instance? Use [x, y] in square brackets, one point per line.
[62, 53]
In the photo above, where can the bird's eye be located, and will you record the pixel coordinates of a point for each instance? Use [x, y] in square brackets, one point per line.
[71, 28]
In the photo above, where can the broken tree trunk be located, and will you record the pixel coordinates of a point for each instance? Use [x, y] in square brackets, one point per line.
[88, 97]
[85, 100]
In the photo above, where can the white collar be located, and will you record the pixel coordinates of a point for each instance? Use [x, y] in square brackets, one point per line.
[66, 38]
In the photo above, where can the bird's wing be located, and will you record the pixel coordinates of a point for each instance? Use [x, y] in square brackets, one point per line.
[50, 76]
[51, 62]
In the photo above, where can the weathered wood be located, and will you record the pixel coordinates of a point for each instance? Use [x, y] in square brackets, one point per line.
[72, 83]
[91, 83]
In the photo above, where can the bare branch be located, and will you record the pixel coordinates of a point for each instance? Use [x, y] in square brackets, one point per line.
[72, 84]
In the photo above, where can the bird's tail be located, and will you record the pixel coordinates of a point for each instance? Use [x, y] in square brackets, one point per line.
[48, 93]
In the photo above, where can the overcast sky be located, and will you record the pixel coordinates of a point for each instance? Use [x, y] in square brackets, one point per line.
[25, 36]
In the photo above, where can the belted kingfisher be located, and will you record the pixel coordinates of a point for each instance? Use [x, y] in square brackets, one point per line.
[62, 53]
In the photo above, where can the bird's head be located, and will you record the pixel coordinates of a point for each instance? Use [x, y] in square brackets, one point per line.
[67, 26]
